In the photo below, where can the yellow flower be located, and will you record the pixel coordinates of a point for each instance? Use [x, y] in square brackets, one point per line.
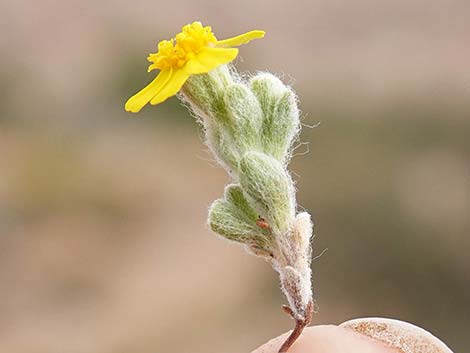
[195, 50]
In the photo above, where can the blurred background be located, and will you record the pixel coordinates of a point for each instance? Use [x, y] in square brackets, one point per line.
[103, 242]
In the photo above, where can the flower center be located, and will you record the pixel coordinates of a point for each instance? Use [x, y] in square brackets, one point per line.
[189, 42]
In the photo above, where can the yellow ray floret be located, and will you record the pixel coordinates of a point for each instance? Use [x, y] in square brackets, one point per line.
[195, 50]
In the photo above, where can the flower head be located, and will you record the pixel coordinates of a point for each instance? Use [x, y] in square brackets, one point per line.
[195, 50]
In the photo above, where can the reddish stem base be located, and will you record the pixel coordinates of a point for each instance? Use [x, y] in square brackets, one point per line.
[299, 327]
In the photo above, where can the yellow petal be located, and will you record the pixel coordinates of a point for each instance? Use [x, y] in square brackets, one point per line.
[141, 98]
[209, 58]
[172, 87]
[239, 40]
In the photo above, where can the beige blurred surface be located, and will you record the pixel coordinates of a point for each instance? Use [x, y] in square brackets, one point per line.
[103, 242]
[329, 339]
[403, 336]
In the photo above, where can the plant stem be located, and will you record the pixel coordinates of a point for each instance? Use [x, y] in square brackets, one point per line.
[299, 327]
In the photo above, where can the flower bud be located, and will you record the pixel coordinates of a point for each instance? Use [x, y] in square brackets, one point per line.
[281, 121]
[267, 182]
[233, 218]
[245, 116]
[234, 195]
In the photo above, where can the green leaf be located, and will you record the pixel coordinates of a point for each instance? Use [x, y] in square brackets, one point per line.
[267, 182]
